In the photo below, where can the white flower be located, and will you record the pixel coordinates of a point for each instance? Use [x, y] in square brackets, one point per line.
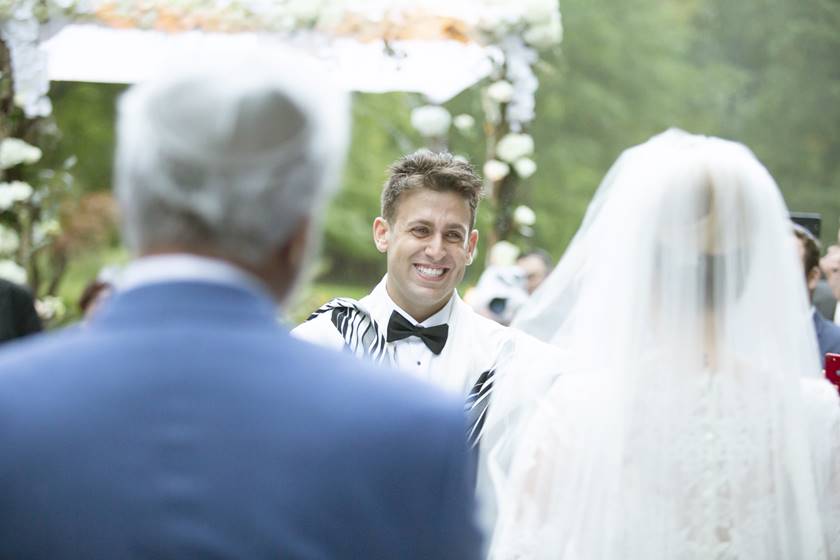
[525, 167]
[503, 253]
[16, 191]
[524, 216]
[50, 307]
[544, 35]
[464, 122]
[43, 230]
[9, 241]
[514, 146]
[501, 91]
[538, 11]
[496, 170]
[11, 271]
[431, 120]
[14, 151]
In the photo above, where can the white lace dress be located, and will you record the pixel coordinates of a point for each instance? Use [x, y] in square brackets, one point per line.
[695, 477]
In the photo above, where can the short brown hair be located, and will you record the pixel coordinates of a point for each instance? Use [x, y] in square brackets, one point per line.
[440, 172]
[812, 248]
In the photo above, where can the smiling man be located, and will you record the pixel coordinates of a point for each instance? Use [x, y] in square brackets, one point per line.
[414, 320]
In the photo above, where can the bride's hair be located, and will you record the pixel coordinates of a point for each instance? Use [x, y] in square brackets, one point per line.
[697, 202]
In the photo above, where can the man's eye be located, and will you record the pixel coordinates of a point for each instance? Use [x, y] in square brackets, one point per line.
[454, 236]
[420, 231]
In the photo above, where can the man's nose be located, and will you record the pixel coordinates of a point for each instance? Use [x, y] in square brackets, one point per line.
[435, 248]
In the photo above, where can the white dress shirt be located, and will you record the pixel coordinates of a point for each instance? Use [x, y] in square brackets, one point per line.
[183, 267]
[411, 353]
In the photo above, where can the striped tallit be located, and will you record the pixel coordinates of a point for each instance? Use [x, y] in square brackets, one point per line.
[366, 340]
[477, 405]
[362, 337]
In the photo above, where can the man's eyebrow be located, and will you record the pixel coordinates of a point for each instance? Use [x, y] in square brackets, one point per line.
[423, 222]
[419, 222]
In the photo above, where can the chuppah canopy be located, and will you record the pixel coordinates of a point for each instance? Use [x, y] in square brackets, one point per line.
[433, 47]
[438, 69]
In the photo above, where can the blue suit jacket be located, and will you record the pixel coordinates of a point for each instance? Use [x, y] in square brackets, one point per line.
[185, 423]
[828, 336]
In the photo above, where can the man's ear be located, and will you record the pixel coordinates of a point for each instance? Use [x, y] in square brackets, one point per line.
[288, 262]
[294, 251]
[381, 229]
[472, 243]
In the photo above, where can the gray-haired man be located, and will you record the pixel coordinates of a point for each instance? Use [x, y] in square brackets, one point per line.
[183, 421]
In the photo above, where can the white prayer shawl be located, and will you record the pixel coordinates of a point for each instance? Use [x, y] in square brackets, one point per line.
[475, 348]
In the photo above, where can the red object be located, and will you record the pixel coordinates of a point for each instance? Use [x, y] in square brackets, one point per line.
[832, 369]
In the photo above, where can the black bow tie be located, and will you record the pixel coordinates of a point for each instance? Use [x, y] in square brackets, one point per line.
[433, 337]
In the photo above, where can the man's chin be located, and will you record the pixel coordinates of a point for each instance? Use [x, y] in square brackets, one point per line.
[429, 295]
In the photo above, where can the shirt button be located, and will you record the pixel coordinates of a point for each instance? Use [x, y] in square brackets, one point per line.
[418, 363]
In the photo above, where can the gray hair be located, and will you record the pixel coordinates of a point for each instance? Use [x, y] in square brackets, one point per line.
[228, 155]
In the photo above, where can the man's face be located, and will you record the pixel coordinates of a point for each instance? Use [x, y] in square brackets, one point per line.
[429, 245]
[535, 271]
[830, 265]
[811, 276]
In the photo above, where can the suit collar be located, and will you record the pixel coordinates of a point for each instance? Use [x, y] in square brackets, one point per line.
[182, 267]
[818, 320]
[187, 302]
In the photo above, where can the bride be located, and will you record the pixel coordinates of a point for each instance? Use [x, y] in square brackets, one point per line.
[691, 421]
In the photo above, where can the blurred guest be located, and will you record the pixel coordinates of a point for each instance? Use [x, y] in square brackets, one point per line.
[184, 421]
[537, 265]
[824, 299]
[500, 292]
[828, 334]
[18, 317]
[830, 266]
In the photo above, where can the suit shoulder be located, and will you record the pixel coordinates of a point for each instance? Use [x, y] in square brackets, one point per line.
[27, 352]
[319, 330]
[358, 379]
[833, 332]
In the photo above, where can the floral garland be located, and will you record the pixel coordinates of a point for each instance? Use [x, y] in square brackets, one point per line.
[27, 226]
[508, 103]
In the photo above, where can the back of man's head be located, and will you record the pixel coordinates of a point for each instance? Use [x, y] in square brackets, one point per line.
[227, 157]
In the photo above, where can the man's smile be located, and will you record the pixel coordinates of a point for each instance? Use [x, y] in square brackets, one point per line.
[431, 272]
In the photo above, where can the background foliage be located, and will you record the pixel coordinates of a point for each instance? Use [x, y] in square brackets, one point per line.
[765, 72]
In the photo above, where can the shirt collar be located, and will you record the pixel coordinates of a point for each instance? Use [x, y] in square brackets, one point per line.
[438, 318]
[182, 267]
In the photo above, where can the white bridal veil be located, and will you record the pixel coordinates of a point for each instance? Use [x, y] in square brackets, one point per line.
[679, 427]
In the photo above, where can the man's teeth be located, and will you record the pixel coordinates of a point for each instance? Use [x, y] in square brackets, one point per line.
[430, 271]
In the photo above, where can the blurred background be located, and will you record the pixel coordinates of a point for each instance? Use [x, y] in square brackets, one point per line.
[764, 72]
